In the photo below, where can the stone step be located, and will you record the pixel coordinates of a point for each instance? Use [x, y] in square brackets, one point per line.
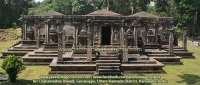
[20, 53]
[160, 55]
[187, 56]
[112, 52]
[150, 47]
[108, 64]
[172, 63]
[3, 79]
[109, 70]
[108, 55]
[108, 67]
[108, 61]
[46, 52]
[36, 63]
[108, 58]
[71, 72]
[50, 49]
[21, 49]
[25, 47]
[142, 62]
[43, 55]
[6, 56]
[109, 73]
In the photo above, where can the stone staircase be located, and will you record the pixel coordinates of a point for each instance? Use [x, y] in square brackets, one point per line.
[108, 64]
[165, 58]
[39, 57]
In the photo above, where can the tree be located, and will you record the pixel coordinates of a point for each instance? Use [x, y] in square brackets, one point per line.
[42, 7]
[187, 10]
[13, 66]
[139, 5]
[122, 7]
[162, 7]
[81, 7]
[12, 10]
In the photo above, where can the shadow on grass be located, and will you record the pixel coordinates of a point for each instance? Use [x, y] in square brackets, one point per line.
[190, 79]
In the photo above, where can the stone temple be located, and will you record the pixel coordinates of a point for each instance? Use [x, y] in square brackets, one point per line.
[101, 43]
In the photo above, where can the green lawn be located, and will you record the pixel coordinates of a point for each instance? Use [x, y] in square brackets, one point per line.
[187, 74]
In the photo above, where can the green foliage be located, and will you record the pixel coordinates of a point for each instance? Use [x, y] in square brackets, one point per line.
[82, 7]
[11, 11]
[139, 5]
[13, 66]
[187, 11]
[41, 8]
[122, 6]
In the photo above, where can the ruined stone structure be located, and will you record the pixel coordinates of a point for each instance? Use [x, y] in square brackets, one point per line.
[101, 42]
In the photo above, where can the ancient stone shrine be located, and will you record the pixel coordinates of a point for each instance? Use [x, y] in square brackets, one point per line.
[100, 43]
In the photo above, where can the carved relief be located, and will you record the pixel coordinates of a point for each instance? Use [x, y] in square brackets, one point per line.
[96, 37]
[69, 34]
[130, 37]
[150, 36]
[30, 33]
[116, 36]
[82, 37]
[83, 32]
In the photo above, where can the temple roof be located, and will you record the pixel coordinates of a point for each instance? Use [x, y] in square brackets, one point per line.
[103, 12]
[143, 14]
[50, 13]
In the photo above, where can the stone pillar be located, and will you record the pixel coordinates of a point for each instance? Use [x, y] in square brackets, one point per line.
[45, 41]
[136, 36]
[145, 35]
[156, 34]
[98, 28]
[47, 32]
[122, 34]
[60, 49]
[162, 35]
[171, 41]
[25, 29]
[36, 29]
[63, 40]
[89, 42]
[111, 36]
[38, 37]
[125, 48]
[184, 38]
[76, 34]
[176, 39]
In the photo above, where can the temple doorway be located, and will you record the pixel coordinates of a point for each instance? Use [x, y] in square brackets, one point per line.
[106, 35]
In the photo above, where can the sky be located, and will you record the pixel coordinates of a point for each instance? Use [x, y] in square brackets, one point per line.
[39, 0]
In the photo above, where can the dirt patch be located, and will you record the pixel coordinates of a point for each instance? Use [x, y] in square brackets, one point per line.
[7, 35]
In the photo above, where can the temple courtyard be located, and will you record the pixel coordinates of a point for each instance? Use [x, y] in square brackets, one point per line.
[175, 74]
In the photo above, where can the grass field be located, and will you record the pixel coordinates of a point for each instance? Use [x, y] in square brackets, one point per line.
[187, 74]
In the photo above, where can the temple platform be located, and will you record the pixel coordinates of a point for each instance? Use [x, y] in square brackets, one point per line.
[18, 49]
[107, 65]
[39, 57]
[179, 51]
[165, 58]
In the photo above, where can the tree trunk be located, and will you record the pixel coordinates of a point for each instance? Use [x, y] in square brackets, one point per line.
[133, 7]
[108, 5]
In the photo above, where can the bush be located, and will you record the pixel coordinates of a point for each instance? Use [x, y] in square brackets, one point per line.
[13, 66]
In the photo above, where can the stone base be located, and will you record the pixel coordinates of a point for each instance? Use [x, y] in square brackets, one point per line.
[74, 66]
[18, 50]
[178, 51]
